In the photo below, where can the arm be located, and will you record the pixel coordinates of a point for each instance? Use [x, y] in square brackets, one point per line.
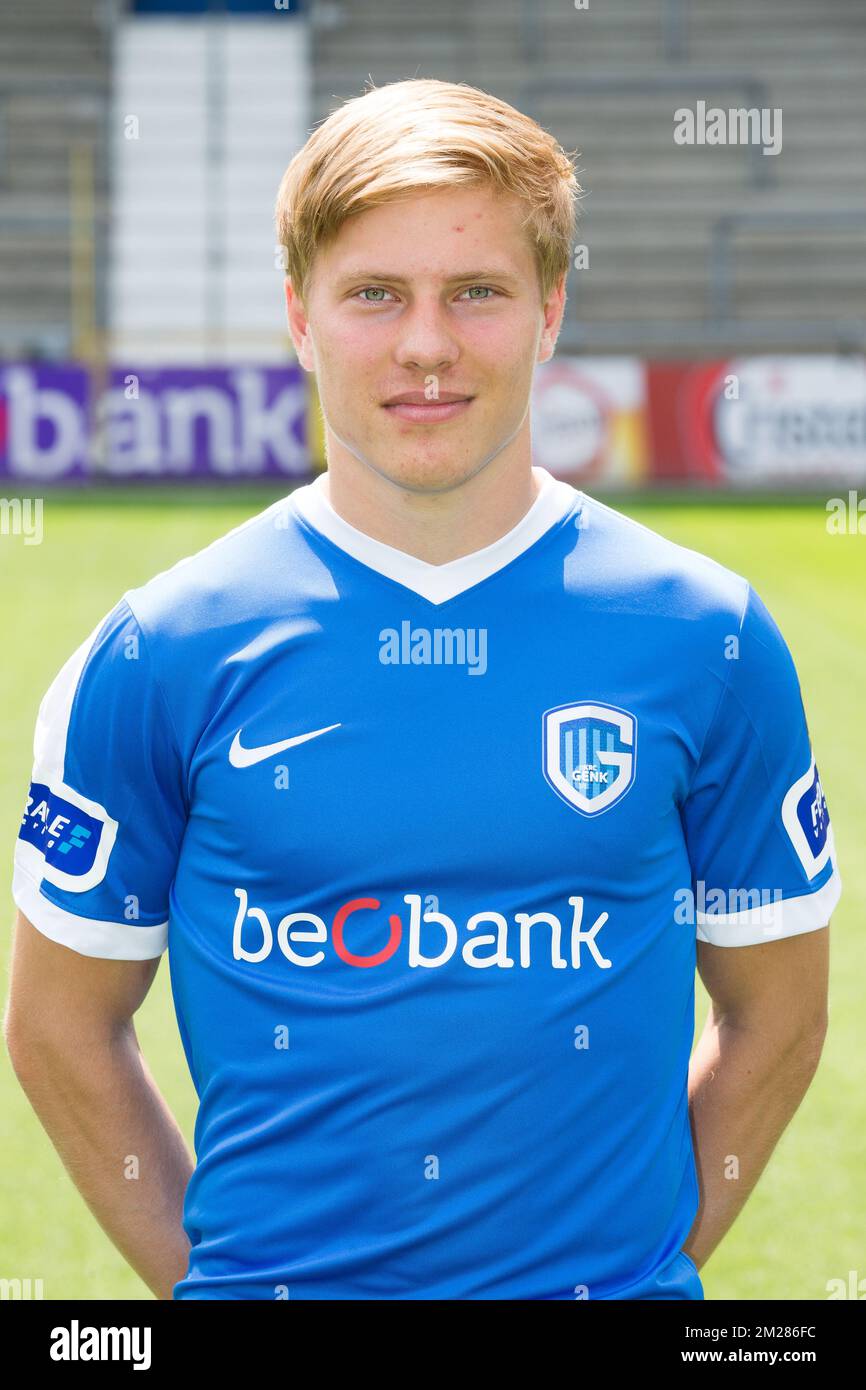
[72, 1043]
[752, 1066]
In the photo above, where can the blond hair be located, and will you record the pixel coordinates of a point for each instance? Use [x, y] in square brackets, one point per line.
[417, 135]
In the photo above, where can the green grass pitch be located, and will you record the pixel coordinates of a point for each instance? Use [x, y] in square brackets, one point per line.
[806, 1221]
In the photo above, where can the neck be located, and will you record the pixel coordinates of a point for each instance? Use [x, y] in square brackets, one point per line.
[433, 526]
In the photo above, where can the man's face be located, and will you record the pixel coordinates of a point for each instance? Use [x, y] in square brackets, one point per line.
[436, 296]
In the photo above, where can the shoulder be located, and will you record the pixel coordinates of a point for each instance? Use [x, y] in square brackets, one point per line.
[640, 570]
[237, 578]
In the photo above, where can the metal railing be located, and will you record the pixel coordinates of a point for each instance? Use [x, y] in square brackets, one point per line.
[727, 227]
[80, 216]
[673, 30]
[637, 337]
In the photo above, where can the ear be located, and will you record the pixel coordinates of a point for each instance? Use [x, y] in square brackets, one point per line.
[553, 309]
[299, 327]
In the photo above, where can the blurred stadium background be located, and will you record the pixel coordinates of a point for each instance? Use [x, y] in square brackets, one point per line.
[710, 380]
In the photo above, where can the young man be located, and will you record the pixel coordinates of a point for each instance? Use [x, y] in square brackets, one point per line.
[417, 774]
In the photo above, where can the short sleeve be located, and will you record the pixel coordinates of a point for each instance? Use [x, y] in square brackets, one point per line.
[755, 818]
[102, 827]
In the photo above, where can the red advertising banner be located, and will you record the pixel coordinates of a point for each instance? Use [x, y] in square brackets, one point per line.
[774, 422]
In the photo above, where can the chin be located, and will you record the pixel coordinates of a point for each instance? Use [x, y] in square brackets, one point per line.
[429, 475]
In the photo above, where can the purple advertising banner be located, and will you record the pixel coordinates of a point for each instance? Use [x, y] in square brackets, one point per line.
[69, 424]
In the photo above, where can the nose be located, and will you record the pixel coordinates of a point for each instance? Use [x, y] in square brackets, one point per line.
[426, 338]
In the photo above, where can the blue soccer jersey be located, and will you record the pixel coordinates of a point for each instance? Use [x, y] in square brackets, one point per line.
[430, 848]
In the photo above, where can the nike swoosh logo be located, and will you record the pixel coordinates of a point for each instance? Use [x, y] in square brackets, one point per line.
[248, 757]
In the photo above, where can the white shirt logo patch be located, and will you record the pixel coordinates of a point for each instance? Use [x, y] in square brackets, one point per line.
[248, 757]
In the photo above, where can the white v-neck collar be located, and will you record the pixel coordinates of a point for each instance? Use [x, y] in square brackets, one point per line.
[437, 583]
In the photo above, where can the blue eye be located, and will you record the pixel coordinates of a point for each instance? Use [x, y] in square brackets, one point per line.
[480, 287]
[373, 289]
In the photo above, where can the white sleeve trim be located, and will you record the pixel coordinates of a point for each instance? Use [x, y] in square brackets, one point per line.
[788, 917]
[55, 712]
[109, 940]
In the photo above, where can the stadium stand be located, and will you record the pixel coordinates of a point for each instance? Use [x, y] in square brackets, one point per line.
[55, 63]
[692, 251]
[606, 81]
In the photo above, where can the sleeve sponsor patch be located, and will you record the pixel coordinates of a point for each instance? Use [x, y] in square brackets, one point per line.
[73, 835]
[807, 821]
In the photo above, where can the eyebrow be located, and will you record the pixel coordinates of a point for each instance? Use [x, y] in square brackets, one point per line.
[351, 275]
